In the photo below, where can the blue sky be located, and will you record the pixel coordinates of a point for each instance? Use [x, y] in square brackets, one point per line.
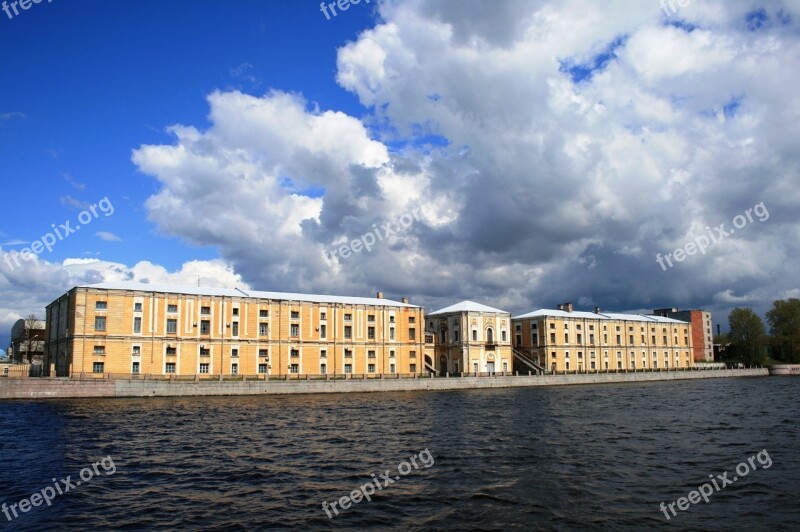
[87, 82]
[554, 149]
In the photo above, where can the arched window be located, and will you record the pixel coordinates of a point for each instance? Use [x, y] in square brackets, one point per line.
[443, 336]
[489, 335]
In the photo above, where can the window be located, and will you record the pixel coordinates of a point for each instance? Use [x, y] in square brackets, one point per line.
[323, 368]
[99, 350]
[205, 310]
[474, 335]
[169, 367]
[580, 338]
[135, 368]
[630, 339]
[323, 353]
[412, 319]
[412, 368]
[100, 323]
[605, 338]
[263, 329]
[412, 334]
[294, 353]
[391, 319]
[205, 327]
[371, 333]
[137, 350]
[580, 354]
[262, 368]
[348, 317]
[204, 367]
[619, 340]
[370, 317]
[172, 308]
[535, 339]
[503, 335]
[552, 338]
[235, 311]
[294, 330]
[391, 333]
[235, 328]
[295, 315]
[234, 352]
[294, 368]
[455, 336]
[348, 331]
[412, 354]
[174, 351]
[370, 368]
[348, 368]
[263, 313]
[348, 353]
[137, 325]
[566, 338]
[101, 305]
[137, 307]
[391, 353]
[204, 351]
[534, 326]
[552, 325]
[234, 369]
[323, 331]
[98, 367]
[391, 368]
[323, 316]
[370, 354]
[172, 326]
[263, 353]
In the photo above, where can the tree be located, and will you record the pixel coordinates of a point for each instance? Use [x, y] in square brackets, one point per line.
[747, 335]
[33, 337]
[784, 323]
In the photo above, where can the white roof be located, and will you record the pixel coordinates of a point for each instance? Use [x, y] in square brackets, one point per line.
[238, 292]
[467, 306]
[601, 316]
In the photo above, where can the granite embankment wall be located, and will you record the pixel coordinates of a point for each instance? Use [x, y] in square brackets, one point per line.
[70, 388]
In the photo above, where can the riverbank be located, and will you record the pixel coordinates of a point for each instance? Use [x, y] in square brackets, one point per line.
[62, 388]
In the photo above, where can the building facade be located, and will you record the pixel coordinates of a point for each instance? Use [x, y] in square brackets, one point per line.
[702, 332]
[134, 328]
[569, 340]
[471, 338]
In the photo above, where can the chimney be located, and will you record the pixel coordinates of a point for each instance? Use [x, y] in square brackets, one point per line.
[405, 300]
[597, 310]
[568, 307]
[380, 295]
[561, 306]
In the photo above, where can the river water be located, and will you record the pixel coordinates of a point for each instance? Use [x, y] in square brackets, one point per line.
[557, 458]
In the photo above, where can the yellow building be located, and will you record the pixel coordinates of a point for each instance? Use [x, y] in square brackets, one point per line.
[135, 328]
[568, 340]
[471, 338]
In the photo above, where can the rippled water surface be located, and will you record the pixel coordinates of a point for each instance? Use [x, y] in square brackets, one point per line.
[559, 458]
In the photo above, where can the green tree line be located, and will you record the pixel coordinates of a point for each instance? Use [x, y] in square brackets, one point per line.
[749, 342]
